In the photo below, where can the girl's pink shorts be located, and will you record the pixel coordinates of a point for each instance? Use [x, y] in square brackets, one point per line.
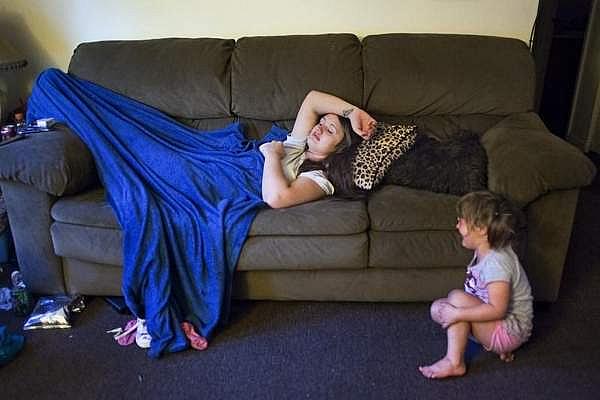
[502, 341]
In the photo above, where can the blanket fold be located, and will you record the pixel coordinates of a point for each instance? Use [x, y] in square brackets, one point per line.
[185, 200]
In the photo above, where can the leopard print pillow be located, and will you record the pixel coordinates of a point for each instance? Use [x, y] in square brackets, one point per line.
[374, 156]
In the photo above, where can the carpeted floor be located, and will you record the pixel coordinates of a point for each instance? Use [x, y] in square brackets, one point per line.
[304, 350]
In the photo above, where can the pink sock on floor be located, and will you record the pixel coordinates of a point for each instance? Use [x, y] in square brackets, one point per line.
[128, 335]
[196, 341]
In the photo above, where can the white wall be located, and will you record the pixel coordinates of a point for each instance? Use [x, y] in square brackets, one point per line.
[47, 31]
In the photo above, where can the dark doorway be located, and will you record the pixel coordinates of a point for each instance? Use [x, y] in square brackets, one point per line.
[557, 48]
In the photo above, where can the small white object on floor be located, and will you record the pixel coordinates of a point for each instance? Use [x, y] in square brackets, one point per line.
[45, 122]
[142, 337]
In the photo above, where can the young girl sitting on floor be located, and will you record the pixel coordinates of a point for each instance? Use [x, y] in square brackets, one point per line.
[496, 306]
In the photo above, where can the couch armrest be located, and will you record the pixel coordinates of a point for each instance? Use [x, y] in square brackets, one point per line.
[56, 162]
[30, 221]
[526, 161]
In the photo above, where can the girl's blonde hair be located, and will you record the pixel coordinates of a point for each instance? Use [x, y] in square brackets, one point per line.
[489, 210]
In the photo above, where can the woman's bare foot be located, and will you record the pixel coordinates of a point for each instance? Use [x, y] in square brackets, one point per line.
[507, 357]
[443, 369]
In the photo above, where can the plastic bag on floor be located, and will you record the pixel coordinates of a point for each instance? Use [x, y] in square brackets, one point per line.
[5, 299]
[54, 312]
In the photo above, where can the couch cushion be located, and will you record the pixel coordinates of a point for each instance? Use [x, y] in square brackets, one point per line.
[288, 67]
[527, 161]
[103, 245]
[189, 78]
[88, 208]
[417, 249]
[88, 243]
[330, 216]
[337, 252]
[444, 127]
[398, 209]
[326, 234]
[422, 74]
[326, 217]
[414, 229]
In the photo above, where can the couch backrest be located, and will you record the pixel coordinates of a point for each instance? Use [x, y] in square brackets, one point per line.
[187, 78]
[435, 74]
[272, 74]
[266, 78]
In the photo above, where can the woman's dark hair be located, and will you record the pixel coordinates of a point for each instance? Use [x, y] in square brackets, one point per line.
[485, 209]
[338, 165]
[347, 141]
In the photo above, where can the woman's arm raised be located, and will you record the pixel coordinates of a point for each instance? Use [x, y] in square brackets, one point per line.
[317, 103]
[277, 192]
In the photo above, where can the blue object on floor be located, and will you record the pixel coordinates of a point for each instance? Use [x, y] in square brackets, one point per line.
[184, 198]
[473, 348]
[10, 345]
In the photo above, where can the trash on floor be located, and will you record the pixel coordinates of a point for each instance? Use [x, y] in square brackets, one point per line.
[5, 299]
[54, 312]
[22, 301]
[10, 345]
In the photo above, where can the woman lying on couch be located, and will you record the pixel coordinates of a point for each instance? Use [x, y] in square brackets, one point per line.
[322, 130]
[185, 199]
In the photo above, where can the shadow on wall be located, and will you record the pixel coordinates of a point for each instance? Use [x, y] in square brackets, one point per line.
[15, 30]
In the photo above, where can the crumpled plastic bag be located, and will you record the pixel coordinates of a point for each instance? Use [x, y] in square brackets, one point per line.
[6, 303]
[52, 312]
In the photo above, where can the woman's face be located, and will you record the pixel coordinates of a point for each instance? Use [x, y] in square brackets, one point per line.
[326, 135]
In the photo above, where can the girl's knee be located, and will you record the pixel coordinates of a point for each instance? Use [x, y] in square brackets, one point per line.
[434, 310]
[460, 298]
[455, 295]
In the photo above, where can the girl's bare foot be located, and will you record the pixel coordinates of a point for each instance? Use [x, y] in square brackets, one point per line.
[443, 369]
[507, 357]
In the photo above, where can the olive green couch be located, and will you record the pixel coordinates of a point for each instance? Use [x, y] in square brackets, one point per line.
[398, 245]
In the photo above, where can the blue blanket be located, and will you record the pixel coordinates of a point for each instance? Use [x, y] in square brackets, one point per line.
[185, 201]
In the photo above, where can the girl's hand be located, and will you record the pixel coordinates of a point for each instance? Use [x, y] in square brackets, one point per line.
[447, 314]
[362, 123]
[273, 148]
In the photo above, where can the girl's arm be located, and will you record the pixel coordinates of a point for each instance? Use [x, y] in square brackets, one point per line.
[316, 104]
[276, 191]
[499, 297]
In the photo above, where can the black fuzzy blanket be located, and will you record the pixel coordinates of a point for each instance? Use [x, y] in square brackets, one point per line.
[454, 166]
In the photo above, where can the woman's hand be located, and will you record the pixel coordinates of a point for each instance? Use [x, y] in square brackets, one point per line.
[362, 123]
[273, 148]
[317, 104]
